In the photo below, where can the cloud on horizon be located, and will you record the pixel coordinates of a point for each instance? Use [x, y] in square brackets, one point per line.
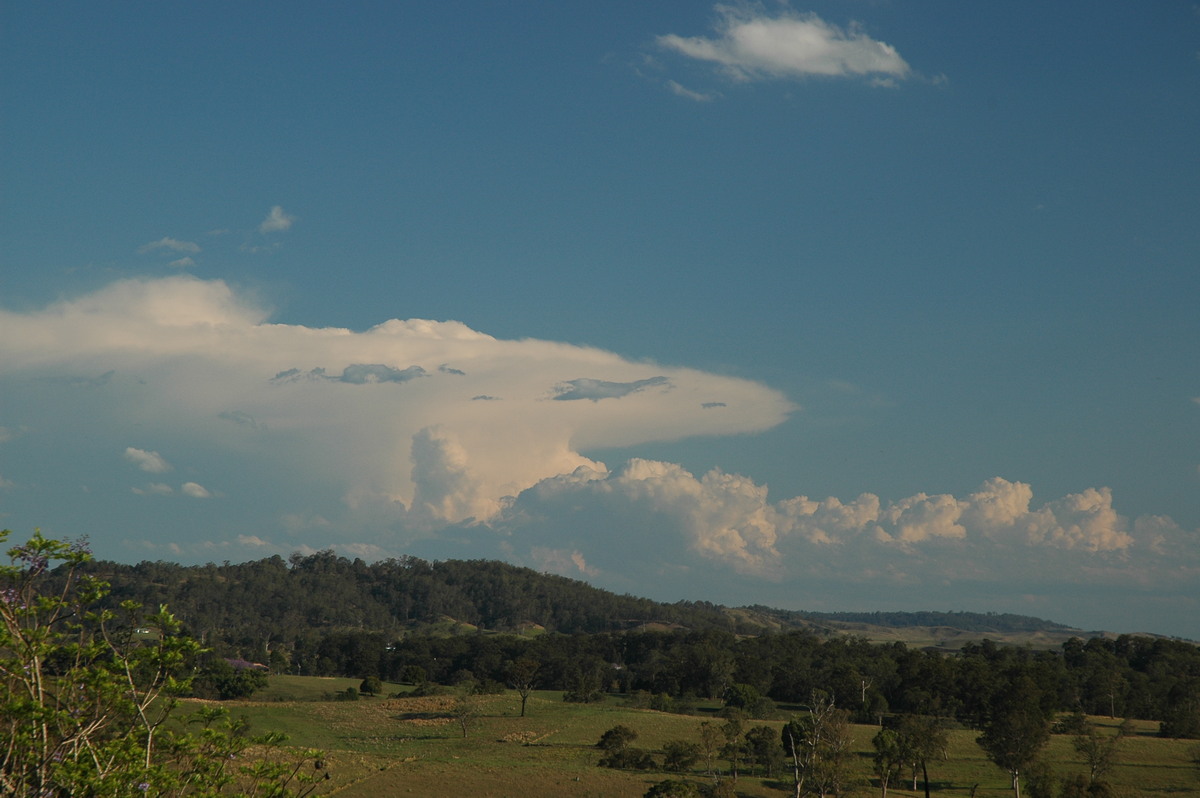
[429, 433]
[752, 45]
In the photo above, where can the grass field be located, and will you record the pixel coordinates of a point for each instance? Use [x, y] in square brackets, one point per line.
[377, 747]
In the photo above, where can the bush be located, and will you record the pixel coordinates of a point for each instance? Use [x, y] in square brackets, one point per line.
[616, 738]
[372, 685]
[680, 755]
[673, 789]
[628, 758]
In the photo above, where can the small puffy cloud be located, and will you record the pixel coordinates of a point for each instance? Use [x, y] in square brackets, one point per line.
[195, 490]
[751, 45]
[151, 462]
[277, 221]
[183, 263]
[172, 244]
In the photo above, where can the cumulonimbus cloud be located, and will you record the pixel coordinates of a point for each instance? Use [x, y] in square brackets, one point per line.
[418, 430]
[750, 44]
[391, 413]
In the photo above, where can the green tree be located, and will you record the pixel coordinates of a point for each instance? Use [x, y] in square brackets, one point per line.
[85, 698]
[922, 738]
[890, 758]
[616, 738]
[372, 685]
[1016, 730]
[763, 749]
[680, 755]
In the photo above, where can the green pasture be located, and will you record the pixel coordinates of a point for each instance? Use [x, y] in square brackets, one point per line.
[402, 745]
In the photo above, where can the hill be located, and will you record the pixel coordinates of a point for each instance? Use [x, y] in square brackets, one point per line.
[248, 604]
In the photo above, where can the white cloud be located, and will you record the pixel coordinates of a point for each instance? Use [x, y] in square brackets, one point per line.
[195, 490]
[151, 462]
[390, 415]
[752, 45]
[173, 244]
[277, 221]
[183, 263]
[372, 442]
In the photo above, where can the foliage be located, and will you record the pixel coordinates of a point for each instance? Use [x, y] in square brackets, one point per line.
[628, 758]
[819, 744]
[680, 755]
[522, 677]
[219, 679]
[326, 615]
[87, 695]
[616, 738]
[372, 685]
[890, 758]
[670, 788]
[1016, 729]
[1099, 751]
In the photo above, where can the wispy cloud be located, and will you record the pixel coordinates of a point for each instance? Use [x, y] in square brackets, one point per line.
[752, 45]
[277, 221]
[687, 93]
[172, 244]
[183, 263]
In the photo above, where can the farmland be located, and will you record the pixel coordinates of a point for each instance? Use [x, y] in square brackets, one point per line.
[401, 745]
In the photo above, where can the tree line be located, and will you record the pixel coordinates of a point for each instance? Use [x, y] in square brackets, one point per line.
[325, 615]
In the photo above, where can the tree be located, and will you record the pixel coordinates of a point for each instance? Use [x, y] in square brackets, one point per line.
[620, 754]
[372, 685]
[1016, 730]
[85, 697]
[890, 757]
[1099, 751]
[819, 744]
[522, 676]
[763, 748]
[921, 739]
[680, 755]
[616, 738]
[710, 743]
[465, 710]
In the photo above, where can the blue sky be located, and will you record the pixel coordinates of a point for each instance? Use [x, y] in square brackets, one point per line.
[838, 305]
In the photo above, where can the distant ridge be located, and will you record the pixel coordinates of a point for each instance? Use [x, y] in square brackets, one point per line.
[981, 622]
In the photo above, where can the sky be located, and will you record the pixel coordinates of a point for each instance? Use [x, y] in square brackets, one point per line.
[842, 305]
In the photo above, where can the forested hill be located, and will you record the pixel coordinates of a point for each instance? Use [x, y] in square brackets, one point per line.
[977, 622]
[273, 598]
[280, 598]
